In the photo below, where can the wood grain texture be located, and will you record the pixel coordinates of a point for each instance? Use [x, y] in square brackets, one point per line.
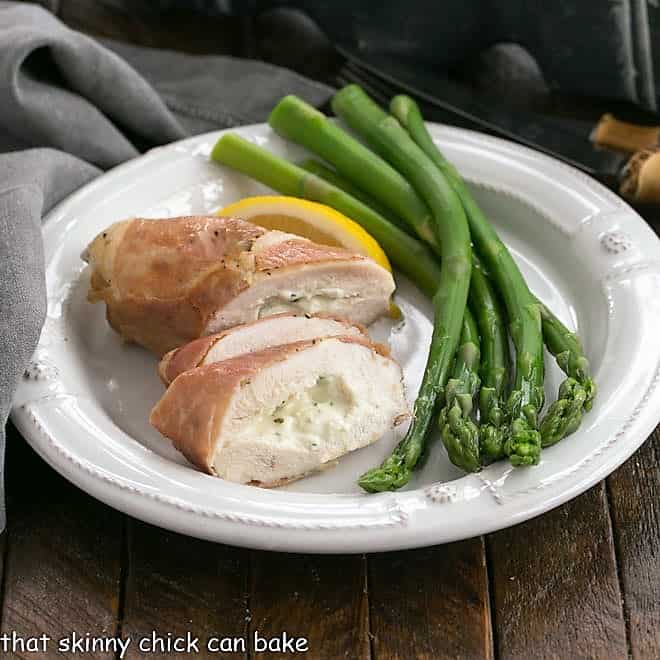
[634, 494]
[321, 598]
[430, 603]
[63, 560]
[181, 585]
[554, 584]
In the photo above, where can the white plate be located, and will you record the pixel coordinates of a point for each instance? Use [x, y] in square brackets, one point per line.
[86, 397]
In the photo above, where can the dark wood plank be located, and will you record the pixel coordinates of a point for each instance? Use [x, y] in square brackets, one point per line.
[431, 603]
[320, 598]
[554, 584]
[634, 494]
[181, 585]
[62, 571]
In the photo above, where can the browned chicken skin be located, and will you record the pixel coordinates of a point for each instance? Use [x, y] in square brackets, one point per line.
[166, 282]
[277, 414]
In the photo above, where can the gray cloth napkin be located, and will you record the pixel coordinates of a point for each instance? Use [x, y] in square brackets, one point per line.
[77, 107]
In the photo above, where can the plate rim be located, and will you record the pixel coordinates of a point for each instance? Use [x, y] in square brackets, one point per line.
[157, 512]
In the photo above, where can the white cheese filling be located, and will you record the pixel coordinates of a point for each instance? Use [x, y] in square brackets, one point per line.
[306, 411]
[291, 301]
[310, 428]
[316, 413]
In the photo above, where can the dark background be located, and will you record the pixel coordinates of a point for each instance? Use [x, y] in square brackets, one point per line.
[573, 51]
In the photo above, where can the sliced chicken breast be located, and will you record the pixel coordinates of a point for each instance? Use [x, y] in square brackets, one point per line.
[273, 416]
[250, 337]
[166, 282]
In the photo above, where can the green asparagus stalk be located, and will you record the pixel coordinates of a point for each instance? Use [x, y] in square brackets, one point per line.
[298, 121]
[494, 364]
[329, 175]
[577, 392]
[458, 429]
[449, 225]
[407, 254]
[523, 442]
[566, 348]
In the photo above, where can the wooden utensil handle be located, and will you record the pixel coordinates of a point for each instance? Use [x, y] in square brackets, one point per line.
[640, 178]
[624, 136]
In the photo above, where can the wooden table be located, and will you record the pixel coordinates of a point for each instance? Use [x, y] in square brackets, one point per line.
[582, 581]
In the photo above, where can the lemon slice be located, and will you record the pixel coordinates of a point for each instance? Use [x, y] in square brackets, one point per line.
[317, 222]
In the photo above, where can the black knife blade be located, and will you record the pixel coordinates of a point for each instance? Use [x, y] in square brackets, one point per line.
[445, 101]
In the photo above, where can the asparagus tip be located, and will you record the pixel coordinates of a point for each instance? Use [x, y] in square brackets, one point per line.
[523, 445]
[491, 442]
[565, 414]
[460, 436]
[381, 479]
[591, 390]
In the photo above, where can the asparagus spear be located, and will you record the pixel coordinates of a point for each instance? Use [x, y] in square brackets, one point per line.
[458, 430]
[494, 364]
[577, 392]
[566, 347]
[329, 175]
[449, 225]
[407, 254]
[523, 442]
[298, 121]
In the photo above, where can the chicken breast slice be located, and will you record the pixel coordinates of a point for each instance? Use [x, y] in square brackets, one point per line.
[273, 416]
[166, 282]
[250, 337]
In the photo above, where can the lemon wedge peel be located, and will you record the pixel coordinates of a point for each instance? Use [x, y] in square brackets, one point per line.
[317, 222]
